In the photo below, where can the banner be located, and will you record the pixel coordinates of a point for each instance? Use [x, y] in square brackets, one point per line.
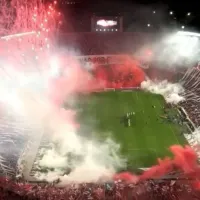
[102, 59]
[89, 61]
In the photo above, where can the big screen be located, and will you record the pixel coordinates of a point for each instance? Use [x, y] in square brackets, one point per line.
[109, 24]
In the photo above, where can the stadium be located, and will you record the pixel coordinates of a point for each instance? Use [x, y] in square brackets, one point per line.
[116, 107]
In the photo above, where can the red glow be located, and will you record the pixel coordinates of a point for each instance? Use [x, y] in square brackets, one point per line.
[120, 76]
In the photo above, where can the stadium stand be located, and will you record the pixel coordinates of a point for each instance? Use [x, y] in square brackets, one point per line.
[104, 43]
[192, 105]
[151, 189]
[126, 76]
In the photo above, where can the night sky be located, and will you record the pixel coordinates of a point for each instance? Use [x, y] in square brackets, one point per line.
[138, 15]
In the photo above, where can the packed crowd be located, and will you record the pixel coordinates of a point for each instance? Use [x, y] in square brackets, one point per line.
[102, 44]
[192, 109]
[151, 189]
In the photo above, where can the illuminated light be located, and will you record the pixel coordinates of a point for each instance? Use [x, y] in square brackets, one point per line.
[186, 33]
[55, 2]
[171, 13]
[116, 30]
[100, 29]
[96, 29]
[182, 27]
[104, 29]
[148, 25]
[36, 57]
[48, 46]
[154, 12]
[106, 23]
[148, 52]
[188, 14]
[184, 43]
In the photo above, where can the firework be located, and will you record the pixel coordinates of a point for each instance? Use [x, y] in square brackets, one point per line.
[27, 30]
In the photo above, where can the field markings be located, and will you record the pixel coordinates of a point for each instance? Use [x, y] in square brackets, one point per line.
[152, 136]
[174, 134]
[143, 109]
[175, 137]
[147, 150]
[151, 103]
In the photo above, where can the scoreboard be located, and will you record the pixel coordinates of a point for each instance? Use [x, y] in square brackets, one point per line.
[107, 24]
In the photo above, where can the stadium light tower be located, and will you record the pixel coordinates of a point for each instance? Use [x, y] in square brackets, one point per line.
[185, 44]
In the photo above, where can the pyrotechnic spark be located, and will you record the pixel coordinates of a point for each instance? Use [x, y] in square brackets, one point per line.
[7, 37]
[191, 83]
[27, 62]
[27, 34]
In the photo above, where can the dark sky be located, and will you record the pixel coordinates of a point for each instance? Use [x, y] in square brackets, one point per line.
[138, 13]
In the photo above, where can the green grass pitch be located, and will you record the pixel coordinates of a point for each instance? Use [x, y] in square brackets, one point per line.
[149, 135]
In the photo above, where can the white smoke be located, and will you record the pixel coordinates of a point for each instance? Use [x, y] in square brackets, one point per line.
[172, 92]
[97, 160]
[70, 156]
[87, 158]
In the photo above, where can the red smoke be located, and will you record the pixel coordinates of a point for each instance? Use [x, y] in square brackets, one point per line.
[120, 75]
[77, 79]
[73, 79]
[184, 161]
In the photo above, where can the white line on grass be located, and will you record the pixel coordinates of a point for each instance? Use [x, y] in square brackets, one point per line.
[174, 134]
[154, 149]
[154, 135]
[171, 128]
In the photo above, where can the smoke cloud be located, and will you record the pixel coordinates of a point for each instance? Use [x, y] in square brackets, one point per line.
[172, 92]
[70, 155]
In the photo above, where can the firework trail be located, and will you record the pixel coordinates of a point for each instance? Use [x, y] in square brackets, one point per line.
[24, 29]
[35, 83]
[191, 83]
